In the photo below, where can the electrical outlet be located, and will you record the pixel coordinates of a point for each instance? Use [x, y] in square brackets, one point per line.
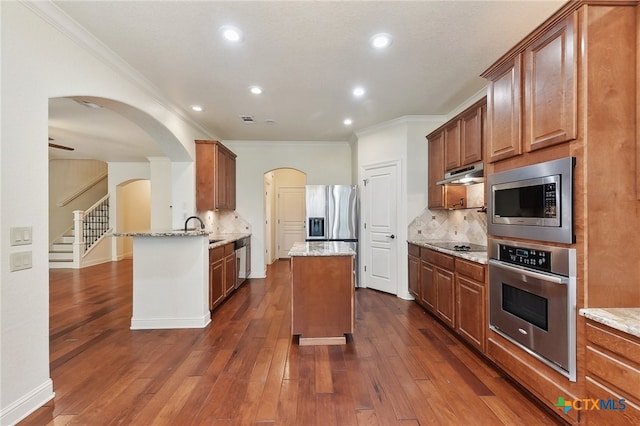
[20, 260]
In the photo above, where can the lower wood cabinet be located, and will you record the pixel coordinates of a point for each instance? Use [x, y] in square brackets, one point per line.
[222, 272]
[414, 271]
[453, 289]
[613, 375]
[471, 307]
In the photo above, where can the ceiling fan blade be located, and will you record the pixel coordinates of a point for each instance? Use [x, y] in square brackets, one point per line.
[55, 145]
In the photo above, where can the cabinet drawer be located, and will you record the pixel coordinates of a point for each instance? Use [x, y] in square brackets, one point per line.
[414, 250]
[216, 253]
[614, 359]
[439, 259]
[614, 341]
[629, 416]
[228, 249]
[475, 271]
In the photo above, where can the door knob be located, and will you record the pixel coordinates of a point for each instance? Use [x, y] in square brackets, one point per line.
[392, 236]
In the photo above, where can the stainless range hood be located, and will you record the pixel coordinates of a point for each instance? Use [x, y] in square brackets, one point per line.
[465, 176]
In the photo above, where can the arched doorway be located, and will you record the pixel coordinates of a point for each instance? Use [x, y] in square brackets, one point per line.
[284, 211]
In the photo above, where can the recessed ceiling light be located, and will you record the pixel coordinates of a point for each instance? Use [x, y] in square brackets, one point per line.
[197, 108]
[381, 41]
[358, 92]
[256, 90]
[231, 33]
[348, 122]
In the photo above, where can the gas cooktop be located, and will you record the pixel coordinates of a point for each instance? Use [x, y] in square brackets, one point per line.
[458, 246]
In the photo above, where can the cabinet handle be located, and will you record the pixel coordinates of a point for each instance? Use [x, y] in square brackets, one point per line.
[392, 236]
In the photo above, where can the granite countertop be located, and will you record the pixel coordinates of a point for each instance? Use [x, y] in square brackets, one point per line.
[215, 239]
[473, 256]
[328, 248]
[191, 232]
[626, 320]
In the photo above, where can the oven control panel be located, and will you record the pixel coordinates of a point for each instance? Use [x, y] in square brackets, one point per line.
[532, 258]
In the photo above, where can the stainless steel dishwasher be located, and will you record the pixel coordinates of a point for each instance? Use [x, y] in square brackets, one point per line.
[241, 261]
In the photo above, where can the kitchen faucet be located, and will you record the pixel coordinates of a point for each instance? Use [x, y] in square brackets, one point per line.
[193, 217]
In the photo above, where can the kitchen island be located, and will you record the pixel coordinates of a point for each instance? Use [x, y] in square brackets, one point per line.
[170, 279]
[322, 292]
[171, 276]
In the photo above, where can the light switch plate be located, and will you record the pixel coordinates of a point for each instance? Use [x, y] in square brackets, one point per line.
[21, 236]
[20, 260]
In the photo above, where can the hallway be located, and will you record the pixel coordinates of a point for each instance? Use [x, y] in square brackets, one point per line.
[400, 366]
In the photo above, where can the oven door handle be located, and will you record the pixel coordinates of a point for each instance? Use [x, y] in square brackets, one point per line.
[528, 273]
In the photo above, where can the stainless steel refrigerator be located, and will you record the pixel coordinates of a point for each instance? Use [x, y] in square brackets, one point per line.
[332, 215]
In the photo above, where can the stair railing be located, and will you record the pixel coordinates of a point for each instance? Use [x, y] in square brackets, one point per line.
[89, 226]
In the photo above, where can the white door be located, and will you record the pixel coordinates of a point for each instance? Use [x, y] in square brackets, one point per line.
[380, 217]
[290, 213]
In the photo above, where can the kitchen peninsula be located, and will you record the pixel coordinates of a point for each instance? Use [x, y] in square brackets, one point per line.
[322, 292]
[171, 277]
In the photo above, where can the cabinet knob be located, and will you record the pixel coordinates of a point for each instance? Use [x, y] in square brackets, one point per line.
[392, 236]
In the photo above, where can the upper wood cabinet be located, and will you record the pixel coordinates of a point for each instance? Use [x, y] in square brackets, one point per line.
[215, 176]
[457, 143]
[550, 77]
[464, 137]
[452, 148]
[440, 197]
[531, 95]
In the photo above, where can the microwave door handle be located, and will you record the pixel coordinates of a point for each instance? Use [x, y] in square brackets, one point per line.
[527, 273]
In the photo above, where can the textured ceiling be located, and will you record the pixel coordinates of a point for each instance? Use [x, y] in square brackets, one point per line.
[308, 55]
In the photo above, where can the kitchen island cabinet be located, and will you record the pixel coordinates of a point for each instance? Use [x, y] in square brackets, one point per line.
[322, 292]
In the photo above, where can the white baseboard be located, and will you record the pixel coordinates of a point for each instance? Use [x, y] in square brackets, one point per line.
[26, 405]
[164, 323]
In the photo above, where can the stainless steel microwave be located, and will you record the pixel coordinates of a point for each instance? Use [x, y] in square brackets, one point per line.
[533, 202]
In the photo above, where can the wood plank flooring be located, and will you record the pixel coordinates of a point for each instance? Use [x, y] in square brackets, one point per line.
[400, 367]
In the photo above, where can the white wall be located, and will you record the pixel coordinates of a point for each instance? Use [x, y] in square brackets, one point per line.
[402, 140]
[41, 62]
[66, 178]
[322, 162]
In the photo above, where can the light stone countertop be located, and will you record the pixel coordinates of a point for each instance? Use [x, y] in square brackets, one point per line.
[626, 320]
[322, 248]
[473, 256]
[221, 239]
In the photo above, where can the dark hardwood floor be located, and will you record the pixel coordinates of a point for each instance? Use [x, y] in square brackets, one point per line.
[401, 366]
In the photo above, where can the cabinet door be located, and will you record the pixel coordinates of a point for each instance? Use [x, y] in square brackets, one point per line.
[471, 311]
[231, 182]
[428, 286]
[550, 76]
[452, 146]
[414, 276]
[503, 112]
[222, 197]
[471, 138]
[436, 171]
[205, 175]
[229, 273]
[216, 282]
[445, 296]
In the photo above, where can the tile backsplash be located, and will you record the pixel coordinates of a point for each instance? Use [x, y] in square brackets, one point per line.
[225, 222]
[465, 225]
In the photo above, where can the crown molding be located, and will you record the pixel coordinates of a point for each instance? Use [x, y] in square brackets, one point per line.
[70, 28]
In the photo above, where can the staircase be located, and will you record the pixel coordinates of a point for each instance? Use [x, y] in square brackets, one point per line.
[89, 227]
[61, 252]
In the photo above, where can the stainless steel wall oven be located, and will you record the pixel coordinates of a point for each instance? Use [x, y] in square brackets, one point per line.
[532, 300]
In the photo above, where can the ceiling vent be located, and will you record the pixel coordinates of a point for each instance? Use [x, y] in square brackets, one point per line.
[246, 119]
